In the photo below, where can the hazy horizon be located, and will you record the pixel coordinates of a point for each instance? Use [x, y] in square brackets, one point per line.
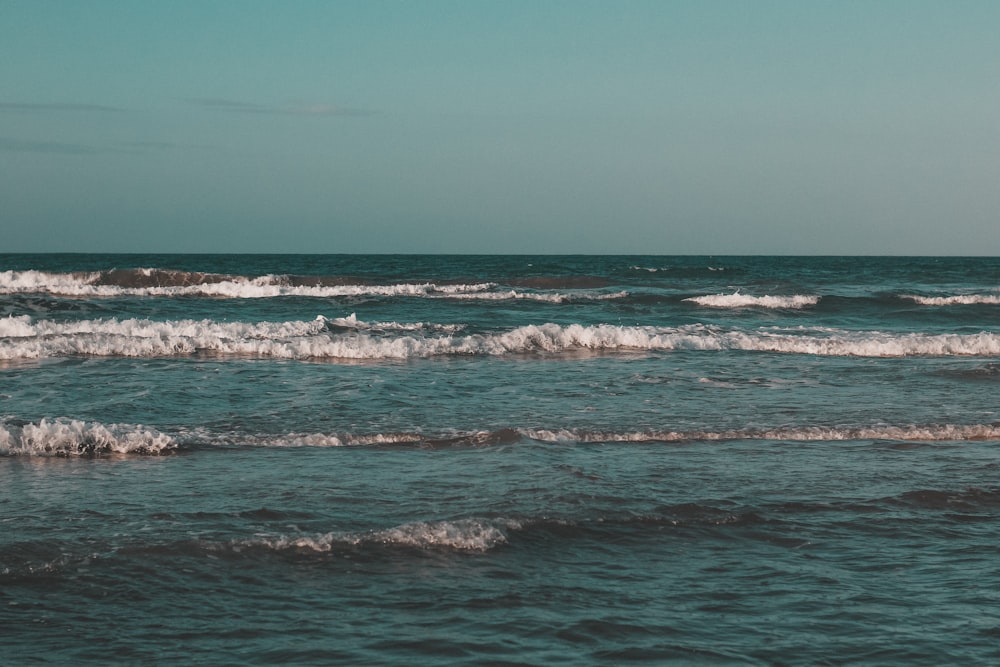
[718, 128]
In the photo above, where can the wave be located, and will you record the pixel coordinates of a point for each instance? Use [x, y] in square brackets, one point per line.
[676, 269]
[966, 500]
[22, 337]
[488, 438]
[738, 300]
[986, 373]
[352, 323]
[77, 438]
[70, 437]
[167, 283]
[930, 433]
[541, 296]
[958, 300]
[458, 535]
[212, 285]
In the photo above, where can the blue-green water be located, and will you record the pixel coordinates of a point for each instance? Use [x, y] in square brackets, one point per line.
[499, 460]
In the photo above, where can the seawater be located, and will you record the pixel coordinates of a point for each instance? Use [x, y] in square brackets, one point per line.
[382, 460]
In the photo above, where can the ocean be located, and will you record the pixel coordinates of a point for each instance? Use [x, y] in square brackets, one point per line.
[499, 460]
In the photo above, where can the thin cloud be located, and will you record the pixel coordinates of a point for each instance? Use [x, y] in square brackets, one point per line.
[227, 105]
[59, 106]
[9, 145]
[147, 146]
[324, 110]
[236, 106]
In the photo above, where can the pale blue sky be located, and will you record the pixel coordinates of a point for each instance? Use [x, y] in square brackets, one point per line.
[751, 127]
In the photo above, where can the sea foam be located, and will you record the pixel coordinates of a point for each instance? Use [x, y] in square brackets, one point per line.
[351, 322]
[458, 535]
[929, 432]
[75, 438]
[738, 300]
[957, 300]
[162, 283]
[23, 338]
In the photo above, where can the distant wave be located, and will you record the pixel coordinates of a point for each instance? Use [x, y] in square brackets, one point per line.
[958, 300]
[738, 300]
[21, 337]
[72, 438]
[676, 269]
[540, 296]
[166, 283]
[178, 283]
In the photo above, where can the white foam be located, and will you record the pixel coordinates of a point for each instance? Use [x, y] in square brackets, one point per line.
[738, 300]
[270, 286]
[318, 440]
[958, 300]
[636, 267]
[14, 282]
[932, 432]
[23, 338]
[73, 438]
[459, 535]
[352, 322]
[549, 297]
[236, 287]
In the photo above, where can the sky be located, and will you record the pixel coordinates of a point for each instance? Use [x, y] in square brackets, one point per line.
[465, 126]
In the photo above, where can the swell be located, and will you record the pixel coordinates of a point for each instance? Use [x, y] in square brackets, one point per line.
[777, 521]
[22, 337]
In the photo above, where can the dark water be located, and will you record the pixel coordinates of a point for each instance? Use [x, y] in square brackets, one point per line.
[499, 460]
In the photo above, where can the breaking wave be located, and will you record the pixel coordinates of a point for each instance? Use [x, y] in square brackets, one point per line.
[77, 438]
[958, 300]
[180, 283]
[22, 337]
[738, 300]
[352, 323]
[167, 283]
[72, 438]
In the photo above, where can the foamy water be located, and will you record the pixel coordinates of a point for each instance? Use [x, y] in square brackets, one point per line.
[24, 338]
[738, 300]
[957, 300]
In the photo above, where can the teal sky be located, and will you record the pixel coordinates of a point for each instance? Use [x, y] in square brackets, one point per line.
[756, 127]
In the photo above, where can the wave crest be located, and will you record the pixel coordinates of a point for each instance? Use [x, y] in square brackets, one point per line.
[23, 338]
